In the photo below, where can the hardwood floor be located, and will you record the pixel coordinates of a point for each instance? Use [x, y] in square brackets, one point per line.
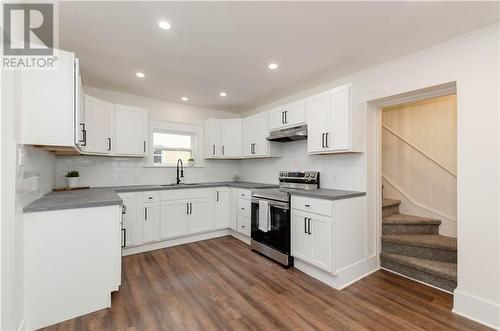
[219, 284]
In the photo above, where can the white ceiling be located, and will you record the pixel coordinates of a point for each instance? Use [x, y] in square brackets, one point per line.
[226, 46]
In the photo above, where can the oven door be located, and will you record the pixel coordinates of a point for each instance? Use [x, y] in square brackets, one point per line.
[278, 237]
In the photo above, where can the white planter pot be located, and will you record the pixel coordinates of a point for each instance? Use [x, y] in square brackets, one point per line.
[72, 182]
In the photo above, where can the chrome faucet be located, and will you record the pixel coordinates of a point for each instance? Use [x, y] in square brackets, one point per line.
[182, 171]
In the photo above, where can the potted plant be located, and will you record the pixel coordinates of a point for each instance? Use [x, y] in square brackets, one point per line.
[190, 162]
[72, 178]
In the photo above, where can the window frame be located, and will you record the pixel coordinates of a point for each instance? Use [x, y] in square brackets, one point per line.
[196, 133]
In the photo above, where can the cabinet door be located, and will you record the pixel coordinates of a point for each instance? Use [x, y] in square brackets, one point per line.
[260, 129]
[339, 124]
[231, 138]
[317, 122]
[321, 242]
[246, 136]
[174, 219]
[222, 208]
[295, 113]
[98, 123]
[213, 138]
[131, 126]
[151, 222]
[276, 118]
[233, 209]
[301, 240]
[132, 220]
[201, 215]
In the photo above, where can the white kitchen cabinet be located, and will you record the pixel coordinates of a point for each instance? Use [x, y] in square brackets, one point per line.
[48, 111]
[222, 210]
[213, 138]
[330, 123]
[131, 130]
[287, 116]
[133, 228]
[201, 215]
[255, 130]
[99, 118]
[231, 138]
[233, 209]
[151, 222]
[312, 239]
[174, 219]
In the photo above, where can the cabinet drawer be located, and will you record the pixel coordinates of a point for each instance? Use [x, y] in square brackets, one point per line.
[244, 194]
[244, 208]
[317, 206]
[244, 225]
[152, 196]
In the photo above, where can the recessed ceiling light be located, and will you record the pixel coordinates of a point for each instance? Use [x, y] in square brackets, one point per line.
[164, 25]
[272, 66]
[140, 74]
[184, 98]
[222, 94]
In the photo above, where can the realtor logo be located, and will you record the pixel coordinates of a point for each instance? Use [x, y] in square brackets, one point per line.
[28, 41]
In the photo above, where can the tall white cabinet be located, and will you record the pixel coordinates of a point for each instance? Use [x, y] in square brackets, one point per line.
[255, 130]
[332, 128]
[98, 125]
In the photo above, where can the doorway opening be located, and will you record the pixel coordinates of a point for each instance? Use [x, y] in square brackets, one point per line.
[418, 173]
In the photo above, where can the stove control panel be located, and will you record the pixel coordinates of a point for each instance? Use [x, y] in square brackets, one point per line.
[306, 177]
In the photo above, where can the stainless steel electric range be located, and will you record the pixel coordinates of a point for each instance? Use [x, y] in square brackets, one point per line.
[271, 215]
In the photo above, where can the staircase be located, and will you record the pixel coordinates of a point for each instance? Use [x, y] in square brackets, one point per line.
[411, 246]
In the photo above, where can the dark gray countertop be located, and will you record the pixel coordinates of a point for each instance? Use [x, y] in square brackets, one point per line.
[106, 196]
[322, 193]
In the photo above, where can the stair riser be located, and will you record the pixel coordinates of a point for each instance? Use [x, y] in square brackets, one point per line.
[440, 282]
[420, 252]
[409, 229]
[387, 211]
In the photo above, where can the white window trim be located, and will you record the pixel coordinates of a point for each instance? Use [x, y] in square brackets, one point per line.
[195, 130]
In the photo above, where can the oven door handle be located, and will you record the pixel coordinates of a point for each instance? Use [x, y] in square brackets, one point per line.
[275, 204]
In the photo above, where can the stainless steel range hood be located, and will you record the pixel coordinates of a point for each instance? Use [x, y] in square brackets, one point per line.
[289, 134]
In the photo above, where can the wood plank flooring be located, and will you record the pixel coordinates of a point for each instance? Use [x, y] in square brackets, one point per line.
[219, 284]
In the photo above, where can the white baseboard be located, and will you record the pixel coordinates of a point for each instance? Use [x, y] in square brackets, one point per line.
[175, 242]
[479, 310]
[240, 237]
[343, 278]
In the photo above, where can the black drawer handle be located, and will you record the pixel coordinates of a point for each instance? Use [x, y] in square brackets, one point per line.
[307, 206]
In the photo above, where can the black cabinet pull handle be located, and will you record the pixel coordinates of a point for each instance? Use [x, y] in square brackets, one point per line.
[309, 226]
[282, 117]
[109, 144]
[326, 140]
[323, 140]
[213, 149]
[124, 244]
[286, 120]
[84, 135]
[145, 213]
[307, 206]
[190, 208]
[305, 224]
[144, 146]
[223, 150]
[217, 196]
[187, 208]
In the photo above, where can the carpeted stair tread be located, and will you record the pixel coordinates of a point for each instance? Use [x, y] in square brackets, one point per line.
[390, 202]
[434, 241]
[445, 270]
[409, 220]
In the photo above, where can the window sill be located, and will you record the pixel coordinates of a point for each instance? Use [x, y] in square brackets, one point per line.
[172, 166]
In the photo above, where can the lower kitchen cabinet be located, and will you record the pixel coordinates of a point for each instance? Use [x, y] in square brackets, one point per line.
[328, 235]
[201, 215]
[222, 212]
[133, 227]
[174, 219]
[151, 222]
[312, 239]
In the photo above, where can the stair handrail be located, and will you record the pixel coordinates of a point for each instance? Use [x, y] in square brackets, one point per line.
[397, 135]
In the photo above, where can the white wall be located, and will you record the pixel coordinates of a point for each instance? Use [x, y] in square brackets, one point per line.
[106, 171]
[472, 60]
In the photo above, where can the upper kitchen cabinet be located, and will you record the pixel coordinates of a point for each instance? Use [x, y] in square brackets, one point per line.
[98, 126]
[289, 115]
[231, 138]
[131, 133]
[331, 126]
[255, 130]
[50, 104]
[213, 138]
[116, 130]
